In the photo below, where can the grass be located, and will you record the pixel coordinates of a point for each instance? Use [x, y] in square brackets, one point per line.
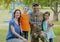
[4, 30]
[56, 22]
[57, 30]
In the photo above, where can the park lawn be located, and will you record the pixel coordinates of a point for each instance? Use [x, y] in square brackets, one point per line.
[57, 30]
[57, 33]
[56, 22]
[4, 30]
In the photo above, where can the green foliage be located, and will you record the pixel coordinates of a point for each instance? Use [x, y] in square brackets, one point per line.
[29, 2]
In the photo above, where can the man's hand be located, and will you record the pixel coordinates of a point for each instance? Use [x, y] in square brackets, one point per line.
[35, 35]
[42, 34]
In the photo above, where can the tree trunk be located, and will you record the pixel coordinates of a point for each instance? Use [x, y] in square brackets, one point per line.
[55, 16]
[55, 10]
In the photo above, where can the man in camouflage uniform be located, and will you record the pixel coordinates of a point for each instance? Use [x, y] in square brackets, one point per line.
[36, 18]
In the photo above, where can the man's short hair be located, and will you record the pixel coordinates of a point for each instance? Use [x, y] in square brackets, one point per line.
[35, 4]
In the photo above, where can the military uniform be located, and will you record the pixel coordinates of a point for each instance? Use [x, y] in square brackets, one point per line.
[36, 26]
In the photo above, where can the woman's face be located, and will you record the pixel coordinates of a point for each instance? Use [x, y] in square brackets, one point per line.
[17, 14]
[46, 16]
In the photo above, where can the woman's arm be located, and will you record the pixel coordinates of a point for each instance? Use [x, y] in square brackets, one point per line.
[17, 35]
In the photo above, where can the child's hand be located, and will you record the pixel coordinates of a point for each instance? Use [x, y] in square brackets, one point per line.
[45, 33]
[50, 24]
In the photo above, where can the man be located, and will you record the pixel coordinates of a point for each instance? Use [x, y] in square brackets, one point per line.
[35, 18]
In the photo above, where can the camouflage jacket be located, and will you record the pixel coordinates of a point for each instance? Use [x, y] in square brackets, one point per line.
[36, 21]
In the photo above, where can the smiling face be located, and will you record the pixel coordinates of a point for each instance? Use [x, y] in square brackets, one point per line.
[35, 8]
[17, 14]
[46, 16]
[25, 10]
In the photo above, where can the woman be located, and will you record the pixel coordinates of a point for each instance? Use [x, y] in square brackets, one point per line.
[14, 29]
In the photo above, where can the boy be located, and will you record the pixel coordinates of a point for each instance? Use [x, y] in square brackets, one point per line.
[25, 23]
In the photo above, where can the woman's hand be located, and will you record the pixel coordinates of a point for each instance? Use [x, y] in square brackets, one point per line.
[25, 40]
[21, 31]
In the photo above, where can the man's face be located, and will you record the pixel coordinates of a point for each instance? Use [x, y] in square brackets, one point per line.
[35, 8]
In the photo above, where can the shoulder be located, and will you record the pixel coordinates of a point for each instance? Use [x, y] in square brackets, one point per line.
[40, 12]
[11, 21]
[30, 13]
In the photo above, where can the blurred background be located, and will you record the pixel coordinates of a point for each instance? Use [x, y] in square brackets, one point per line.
[7, 8]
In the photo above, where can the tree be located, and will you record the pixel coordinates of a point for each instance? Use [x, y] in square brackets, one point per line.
[55, 10]
[7, 3]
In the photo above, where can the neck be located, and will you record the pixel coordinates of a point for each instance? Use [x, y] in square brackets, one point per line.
[36, 12]
[16, 19]
[46, 19]
[25, 12]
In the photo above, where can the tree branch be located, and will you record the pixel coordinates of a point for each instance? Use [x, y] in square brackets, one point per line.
[52, 9]
[58, 11]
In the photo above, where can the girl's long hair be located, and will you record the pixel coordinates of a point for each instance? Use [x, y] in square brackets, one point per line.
[44, 18]
[20, 15]
[44, 15]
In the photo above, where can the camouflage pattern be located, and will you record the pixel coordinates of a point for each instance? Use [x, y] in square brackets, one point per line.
[36, 26]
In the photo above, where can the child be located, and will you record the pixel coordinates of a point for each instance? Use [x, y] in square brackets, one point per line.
[25, 23]
[47, 27]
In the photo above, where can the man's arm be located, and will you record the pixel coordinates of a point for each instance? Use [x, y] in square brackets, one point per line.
[40, 16]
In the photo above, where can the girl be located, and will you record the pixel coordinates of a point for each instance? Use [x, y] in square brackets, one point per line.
[47, 27]
[14, 29]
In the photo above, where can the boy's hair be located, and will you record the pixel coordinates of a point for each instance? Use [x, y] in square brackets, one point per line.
[26, 7]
